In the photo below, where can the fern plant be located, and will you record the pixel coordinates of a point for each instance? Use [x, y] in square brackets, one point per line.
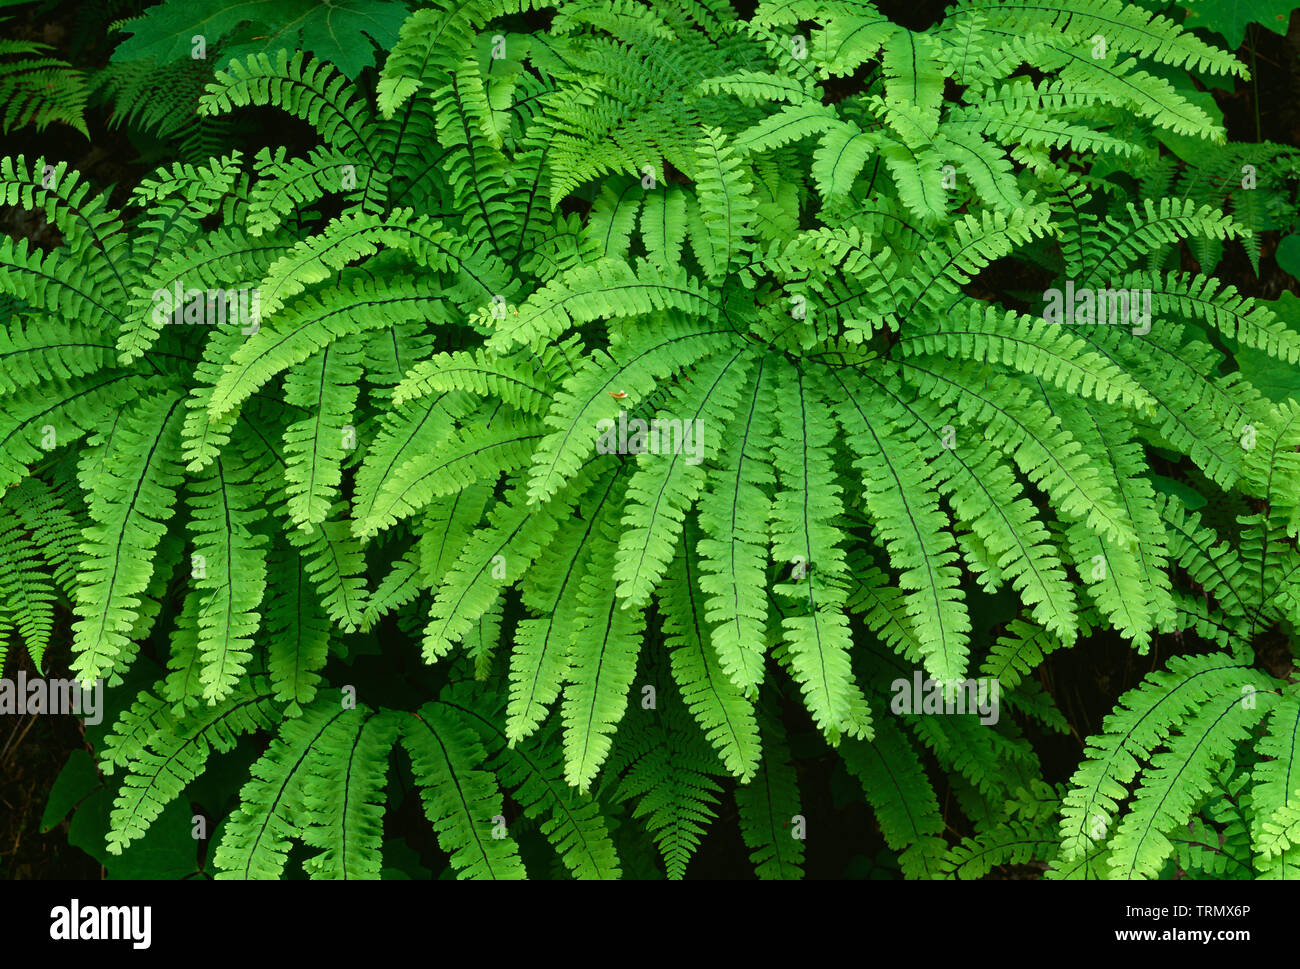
[663, 396]
[161, 101]
[1229, 178]
[38, 90]
[168, 52]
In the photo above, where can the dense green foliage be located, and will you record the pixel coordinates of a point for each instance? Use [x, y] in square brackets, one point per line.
[356, 486]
